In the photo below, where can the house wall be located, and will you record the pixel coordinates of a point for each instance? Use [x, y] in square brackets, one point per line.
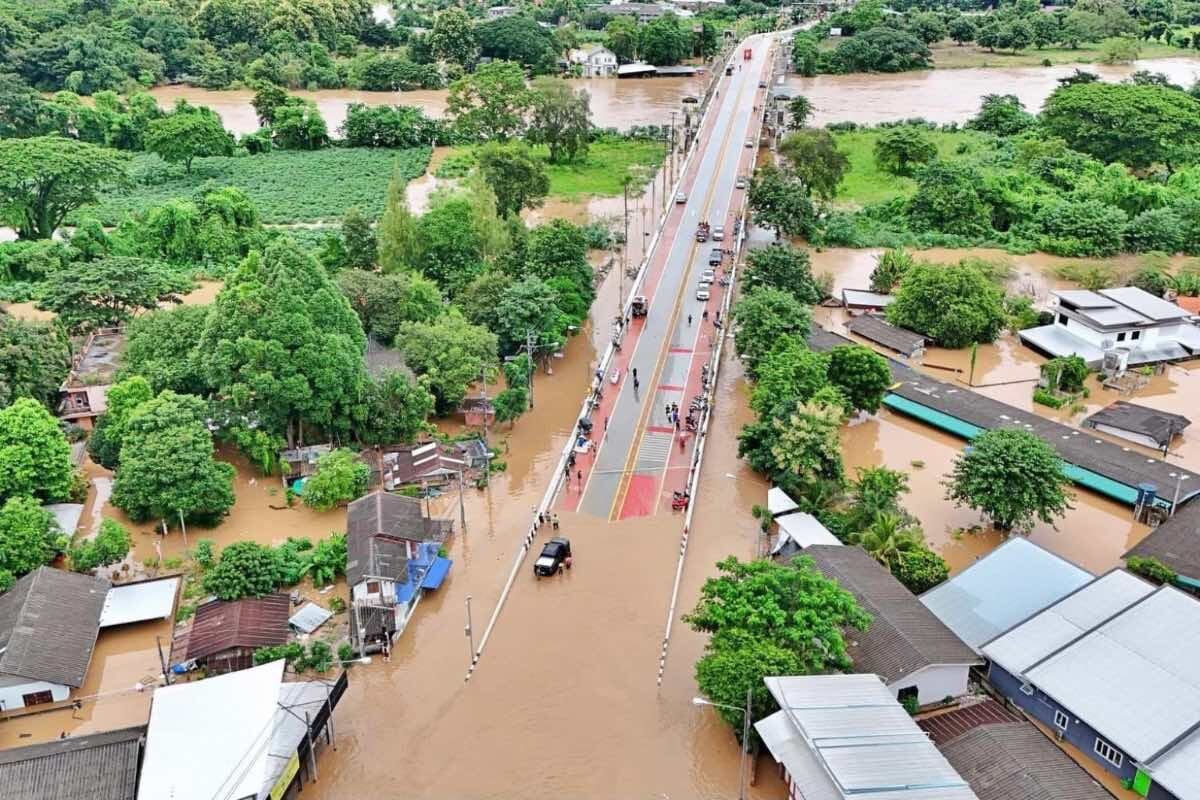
[13, 696]
[935, 683]
[1042, 708]
[387, 590]
[1147, 337]
[1131, 436]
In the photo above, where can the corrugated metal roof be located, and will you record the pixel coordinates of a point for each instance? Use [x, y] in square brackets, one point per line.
[1177, 768]
[1058, 341]
[1002, 589]
[140, 601]
[1176, 542]
[778, 502]
[904, 635]
[850, 736]
[49, 620]
[250, 622]
[1084, 298]
[66, 515]
[99, 766]
[1047, 631]
[803, 529]
[1162, 426]
[1144, 303]
[875, 329]
[393, 515]
[310, 617]
[1134, 678]
[862, 298]
[1015, 761]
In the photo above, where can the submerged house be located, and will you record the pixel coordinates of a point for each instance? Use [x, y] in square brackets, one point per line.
[49, 621]
[225, 633]
[97, 766]
[1111, 669]
[418, 464]
[1128, 325]
[1175, 543]
[84, 393]
[392, 556]
[1148, 427]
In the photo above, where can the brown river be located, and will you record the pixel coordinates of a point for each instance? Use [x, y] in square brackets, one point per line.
[564, 701]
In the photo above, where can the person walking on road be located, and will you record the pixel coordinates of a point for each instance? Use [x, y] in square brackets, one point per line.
[554, 520]
[689, 320]
[635, 374]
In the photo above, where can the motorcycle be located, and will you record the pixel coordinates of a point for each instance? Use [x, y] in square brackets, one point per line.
[679, 501]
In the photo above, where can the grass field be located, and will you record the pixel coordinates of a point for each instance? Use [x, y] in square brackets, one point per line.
[286, 186]
[948, 55]
[865, 183]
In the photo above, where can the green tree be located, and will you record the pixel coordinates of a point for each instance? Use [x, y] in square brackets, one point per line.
[341, 476]
[518, 179]
[861, 374]
[1002, 114]
[160, 347]
[621, 36]
[267, 97]
[876, 492]
[44, 178]
[763, 318]
[887, 537]
[806, 57]
[450, 353]
[948, 199]
[927, 26]
[799, 108]
[1012, 476]
[383, 302]
[511, 403]
[790, 372]
[104, 445]
[961, 29]
[806, 444]
[450, 245]
[786, 268]
[299, 125]
[890, 268]
[882, 50]
[167, 469]
[34, 360]
[283, 344]
[110, 291]
[560, 117]
[398, 409]
[1135, 125]
[29, 538]
[1046, 30]
[898, 150]
[527, 306]
[663, 41]
[520, 38]
[953, 305]
[814, 158]
[1120, 50]
[110, 546]
[186, 134]
[35, 459]
[358, 238]
[246, 569]
[779, 200]
[398, 244]
[452, 37]
[491, 103]
[920, 569]
[558, 249]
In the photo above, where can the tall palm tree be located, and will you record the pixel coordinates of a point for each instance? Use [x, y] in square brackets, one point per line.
[887, 537]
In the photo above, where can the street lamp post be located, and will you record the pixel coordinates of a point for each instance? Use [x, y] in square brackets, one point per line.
[1179, 479]
[700, 701]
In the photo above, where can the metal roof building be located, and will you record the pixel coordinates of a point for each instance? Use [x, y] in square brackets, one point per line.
[98, 766]
[1176, 543]
[842, 736]
[225, 633]
[876, 329]
[1145, 426]
[799, 531]
[906, 645]
[140, 601]
[1001, 589]
[866, 300]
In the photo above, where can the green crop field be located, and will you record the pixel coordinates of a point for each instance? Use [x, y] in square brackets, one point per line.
[287, 185]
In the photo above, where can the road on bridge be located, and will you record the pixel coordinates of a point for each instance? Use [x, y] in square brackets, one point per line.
[642, 455]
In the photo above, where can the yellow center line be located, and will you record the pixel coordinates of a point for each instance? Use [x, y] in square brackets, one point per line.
[640, 431]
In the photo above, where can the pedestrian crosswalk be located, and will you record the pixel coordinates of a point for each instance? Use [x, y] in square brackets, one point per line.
[653, 453]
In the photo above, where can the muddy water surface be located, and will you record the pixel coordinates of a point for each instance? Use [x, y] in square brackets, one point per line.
[615, 103]
[953, 95]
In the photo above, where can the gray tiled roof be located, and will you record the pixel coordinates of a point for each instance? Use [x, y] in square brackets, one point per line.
[100, 766]
[904, 635]
[876, 329]
[383, 513]
[1015, 761]
[1162, 426]
[48, 625]
[1176, 542]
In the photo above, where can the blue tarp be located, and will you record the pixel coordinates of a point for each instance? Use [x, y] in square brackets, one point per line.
[436, 573]
[405, 591]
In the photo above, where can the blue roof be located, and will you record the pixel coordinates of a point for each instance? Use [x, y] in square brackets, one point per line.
[1010, 584]
[436, 573]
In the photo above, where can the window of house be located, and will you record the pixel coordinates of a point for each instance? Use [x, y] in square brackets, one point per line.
[1135, 335]
[37, 698]
[1062, 319]
[1027, 689]
[1109, 753]
[372, 587]
[1121, 336]
[1060, 720]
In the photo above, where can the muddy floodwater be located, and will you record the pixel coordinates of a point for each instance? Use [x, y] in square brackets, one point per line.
[953, 95]
[615, 103]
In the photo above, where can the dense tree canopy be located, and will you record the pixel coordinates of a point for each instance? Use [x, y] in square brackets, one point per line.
[815, 159]
[1012, 476]
[560, 117]
[161, 347]
[35, 459]
[110, 291]
[450, 353]
[29, 538]
[786, 268]
[515, 175]
[491, 102]
[283, 346]
[763, 319]
[186, 134]
[44, 178]
[954, 305]
[341, 476]
[34, 360]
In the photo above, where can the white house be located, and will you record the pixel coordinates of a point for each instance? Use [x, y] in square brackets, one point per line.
[913, 651]
[596, 61]
[1130, 324]
[496, 12]
[49, 621]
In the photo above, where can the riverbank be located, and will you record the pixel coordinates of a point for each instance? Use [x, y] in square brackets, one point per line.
[948, 55]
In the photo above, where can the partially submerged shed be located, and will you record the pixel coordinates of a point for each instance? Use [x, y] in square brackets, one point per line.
[1140, 424]
[864, 300]
[140, 601]
[225, 633]
[797, 532]
[876, 329]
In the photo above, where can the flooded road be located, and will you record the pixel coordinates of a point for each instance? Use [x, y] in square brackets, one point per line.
[953, 95]
[615, 103]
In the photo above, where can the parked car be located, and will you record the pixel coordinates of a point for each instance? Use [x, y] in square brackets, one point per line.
[680, 197]
[718, 233]
[714, 258]
[708, 276]
[556, 556]
[702, 293]
[749, 143]
[762, 84]
[740, 183]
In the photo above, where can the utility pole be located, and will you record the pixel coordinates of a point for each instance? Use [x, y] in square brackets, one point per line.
[529, 371]
[462, 511]
[672, 148]
[182, 527]
[624, 255]
[470, 635]
[163, 661]
[487, 473]
[745, 745]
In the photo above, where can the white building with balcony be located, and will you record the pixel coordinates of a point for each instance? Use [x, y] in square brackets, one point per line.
[596, 61]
